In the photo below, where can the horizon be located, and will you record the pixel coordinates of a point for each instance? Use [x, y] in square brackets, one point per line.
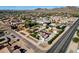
[27, 7]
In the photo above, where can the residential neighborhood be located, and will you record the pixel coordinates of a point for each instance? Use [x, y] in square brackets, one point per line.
[36, 31]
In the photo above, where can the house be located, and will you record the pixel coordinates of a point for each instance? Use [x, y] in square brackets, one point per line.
[42, 20]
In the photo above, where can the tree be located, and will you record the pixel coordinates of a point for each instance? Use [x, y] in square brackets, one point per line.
[76, 39]
[24, 18]
[34, 34]
[77, 33]
[29, 23]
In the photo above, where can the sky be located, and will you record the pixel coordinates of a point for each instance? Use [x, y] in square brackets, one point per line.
[26, 7]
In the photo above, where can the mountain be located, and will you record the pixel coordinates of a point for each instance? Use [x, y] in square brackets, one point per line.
[68, 9]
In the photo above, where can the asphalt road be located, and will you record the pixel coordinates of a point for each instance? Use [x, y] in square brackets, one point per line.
[61, 45]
